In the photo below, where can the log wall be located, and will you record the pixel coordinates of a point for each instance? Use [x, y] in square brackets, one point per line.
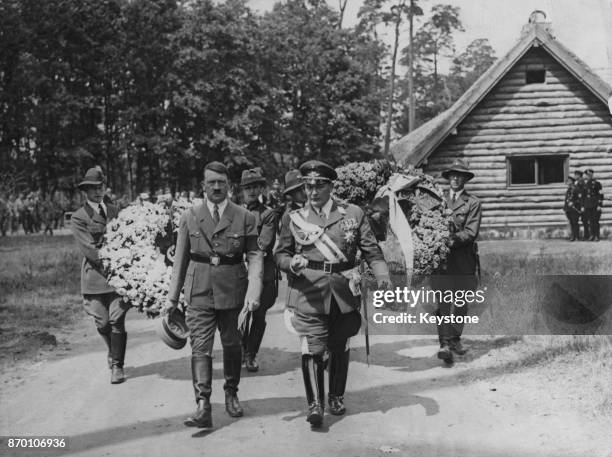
[560, 116]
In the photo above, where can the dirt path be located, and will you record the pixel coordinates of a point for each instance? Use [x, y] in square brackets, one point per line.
[404, 403]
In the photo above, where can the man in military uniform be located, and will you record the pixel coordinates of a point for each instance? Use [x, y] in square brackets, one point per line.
[101, 301]
[294, 190]
[592, 203]
[571, 207]
[253, 184]
[317, 248]
[462, 261]
[212, 240]
[579, 188]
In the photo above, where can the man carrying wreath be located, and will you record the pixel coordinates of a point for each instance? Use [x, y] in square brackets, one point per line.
[213, 239]
[101, 301]
[317, 249]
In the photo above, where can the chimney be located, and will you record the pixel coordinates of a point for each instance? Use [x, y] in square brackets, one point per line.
[537, 20]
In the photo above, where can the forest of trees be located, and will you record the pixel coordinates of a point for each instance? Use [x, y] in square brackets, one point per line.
[153, 89]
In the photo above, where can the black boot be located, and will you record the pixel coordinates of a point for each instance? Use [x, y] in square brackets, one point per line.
[105, 334]
[252, 345]
[201, 376]
[232, 363]
[118, 343]
[338, 372]
[314, 370]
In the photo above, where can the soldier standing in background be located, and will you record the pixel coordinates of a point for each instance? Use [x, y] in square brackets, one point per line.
[571, 207]
[253, 184]
[592, 203]
[579, 185]
[462, 261]
[294, 190]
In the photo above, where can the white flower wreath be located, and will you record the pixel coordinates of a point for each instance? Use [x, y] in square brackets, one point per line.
[132, 256]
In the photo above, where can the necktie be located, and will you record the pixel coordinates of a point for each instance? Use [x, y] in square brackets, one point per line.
[216, 215]
[101, 209]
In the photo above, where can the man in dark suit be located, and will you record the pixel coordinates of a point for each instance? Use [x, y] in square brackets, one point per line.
[571, 206]
[108, 309]
[253, 184]
[592, 203]
[580, 191]
[317, 249]
[462, 261]
[213, 239]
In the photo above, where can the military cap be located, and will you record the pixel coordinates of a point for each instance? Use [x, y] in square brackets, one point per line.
[315, 170]
[458, 166]
[173, 330]
[589, 170]
[292, 181]
[217, 167]
[577, 173]
[93, 177]
[252, 176]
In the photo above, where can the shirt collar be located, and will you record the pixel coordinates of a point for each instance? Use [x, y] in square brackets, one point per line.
[456, 194]
[326, 208]
[211, 206]
[96, 206]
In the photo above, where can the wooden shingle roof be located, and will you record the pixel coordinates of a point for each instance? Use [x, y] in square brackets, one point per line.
[415, 147]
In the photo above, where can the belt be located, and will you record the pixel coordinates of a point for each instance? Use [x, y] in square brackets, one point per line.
[215, 259]
[329, 267]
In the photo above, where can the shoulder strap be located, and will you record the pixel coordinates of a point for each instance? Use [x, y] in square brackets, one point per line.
[322, 241]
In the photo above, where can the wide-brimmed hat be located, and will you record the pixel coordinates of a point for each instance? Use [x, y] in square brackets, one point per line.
[93, 177]
[292, 181]
[173, 330]
[458, 166]
[252, 176]
[315, 170]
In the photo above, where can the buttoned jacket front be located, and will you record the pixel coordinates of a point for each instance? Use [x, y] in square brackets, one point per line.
[218, 286]
[467, 214]
[88, 228]
[312, 290]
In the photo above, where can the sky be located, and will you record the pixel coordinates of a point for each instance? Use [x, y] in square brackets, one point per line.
[583, 26]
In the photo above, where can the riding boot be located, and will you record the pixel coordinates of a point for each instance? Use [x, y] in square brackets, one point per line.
[253, 343]
[232, 363]
[118, 343]
[338, 373]
[201, 376]
[105, 334]
[314, 370]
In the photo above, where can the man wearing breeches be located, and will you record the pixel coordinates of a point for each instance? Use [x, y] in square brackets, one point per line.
[317, 249]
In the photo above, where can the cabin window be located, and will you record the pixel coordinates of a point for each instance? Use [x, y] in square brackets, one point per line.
[535, 76]
[536, 170]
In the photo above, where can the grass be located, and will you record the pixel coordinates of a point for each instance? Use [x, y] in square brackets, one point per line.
[39, 292]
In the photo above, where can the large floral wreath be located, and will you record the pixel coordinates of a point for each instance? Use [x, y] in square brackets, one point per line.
[422, 203]
[137, 252]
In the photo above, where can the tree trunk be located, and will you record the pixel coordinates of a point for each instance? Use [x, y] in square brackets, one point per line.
[411, 107]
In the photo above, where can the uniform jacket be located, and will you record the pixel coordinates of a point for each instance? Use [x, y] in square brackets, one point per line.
[465, 225]
[592, 196]
[220, 286]
[572, 200]
[88, 228]
[267, 221]
[311, 292]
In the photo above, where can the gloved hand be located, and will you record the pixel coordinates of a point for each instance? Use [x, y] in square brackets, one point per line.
[298, 263]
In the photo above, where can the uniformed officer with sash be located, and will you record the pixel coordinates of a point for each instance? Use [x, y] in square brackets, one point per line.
[317, 248]
[253, 184]
[213, 239]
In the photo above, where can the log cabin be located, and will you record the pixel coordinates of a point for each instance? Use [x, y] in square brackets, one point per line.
[532, 119]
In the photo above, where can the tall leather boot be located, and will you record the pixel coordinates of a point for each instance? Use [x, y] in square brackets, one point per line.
[253, 344]
[313, 370]
[201, 376]
[338, 373]
[232, 363]
[117, 346]
[105, 334]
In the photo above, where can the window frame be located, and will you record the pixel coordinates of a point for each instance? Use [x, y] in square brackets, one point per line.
[536, 157]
